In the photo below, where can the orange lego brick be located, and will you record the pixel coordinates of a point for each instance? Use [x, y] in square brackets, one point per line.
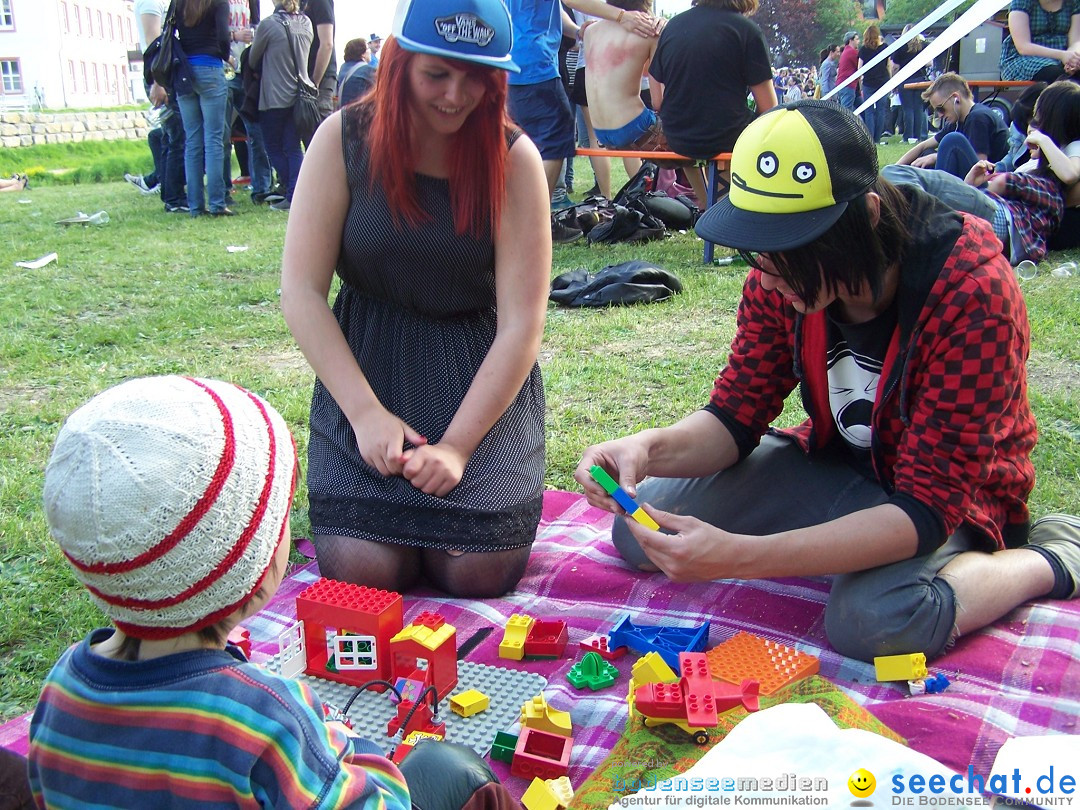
[773, 665]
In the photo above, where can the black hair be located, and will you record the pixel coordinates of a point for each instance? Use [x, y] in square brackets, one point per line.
[853, 253]
[1024, 106]
[1057, 115]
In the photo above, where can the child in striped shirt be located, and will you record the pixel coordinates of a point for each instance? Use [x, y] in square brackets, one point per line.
[170, 498]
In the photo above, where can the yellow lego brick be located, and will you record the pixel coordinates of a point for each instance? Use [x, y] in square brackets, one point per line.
[651, 668]
[562, 789]
[536, 713]
[539, 796]
[904, 667]
[642, 517]
[513, 642]
[469, 703]
[416, 736]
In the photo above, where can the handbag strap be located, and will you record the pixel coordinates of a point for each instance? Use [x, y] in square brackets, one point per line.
[300, 77]
[170, 17]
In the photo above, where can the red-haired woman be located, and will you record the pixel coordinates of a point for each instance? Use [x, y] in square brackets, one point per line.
[426, 452]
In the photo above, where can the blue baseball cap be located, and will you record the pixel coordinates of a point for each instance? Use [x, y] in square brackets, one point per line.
[470, 30]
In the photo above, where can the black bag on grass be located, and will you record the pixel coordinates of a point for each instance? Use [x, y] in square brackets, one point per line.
[633, 282]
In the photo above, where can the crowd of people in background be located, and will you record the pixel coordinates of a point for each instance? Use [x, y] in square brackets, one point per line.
[590, 73]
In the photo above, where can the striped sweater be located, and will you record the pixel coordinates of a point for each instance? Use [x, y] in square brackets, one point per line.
[203, 728]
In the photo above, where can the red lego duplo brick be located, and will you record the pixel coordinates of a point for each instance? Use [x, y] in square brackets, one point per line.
[432, 621]
[659, 700]
[546, 639]
[328, 607]
[599, 644]
[541, 754]
[421, 720]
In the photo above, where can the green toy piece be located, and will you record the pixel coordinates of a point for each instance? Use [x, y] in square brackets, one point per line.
[503, 747]
[593, 672]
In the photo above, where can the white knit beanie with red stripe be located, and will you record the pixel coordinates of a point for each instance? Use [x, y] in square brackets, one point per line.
[169, 497]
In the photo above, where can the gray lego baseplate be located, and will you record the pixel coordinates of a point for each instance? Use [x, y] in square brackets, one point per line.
[371, 711]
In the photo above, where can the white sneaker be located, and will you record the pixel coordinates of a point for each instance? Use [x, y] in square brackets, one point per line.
[912, 140]
[140, 183]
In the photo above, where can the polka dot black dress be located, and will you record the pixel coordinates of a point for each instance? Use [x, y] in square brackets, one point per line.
[417, 307]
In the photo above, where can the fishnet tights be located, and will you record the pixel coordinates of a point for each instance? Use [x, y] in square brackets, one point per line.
[472, 575]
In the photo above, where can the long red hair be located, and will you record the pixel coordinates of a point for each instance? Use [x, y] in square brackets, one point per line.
[477, 153]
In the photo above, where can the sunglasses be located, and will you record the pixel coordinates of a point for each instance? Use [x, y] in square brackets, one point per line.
[940, 108]
[752, 259]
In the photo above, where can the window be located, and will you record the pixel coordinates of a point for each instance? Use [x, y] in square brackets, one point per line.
[7, 18]
[78, 18]
[112, 30]
[89, 23]
[11, 76]
[71, 74]
[65, 20]
[100, 26]
[131, 32]
[85, 83]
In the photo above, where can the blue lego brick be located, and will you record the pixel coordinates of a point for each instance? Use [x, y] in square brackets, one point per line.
[668, 642]
[625, 501]
[371, 711]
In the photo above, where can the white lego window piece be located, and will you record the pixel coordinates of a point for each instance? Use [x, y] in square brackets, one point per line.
[355, 652]
[292, 652]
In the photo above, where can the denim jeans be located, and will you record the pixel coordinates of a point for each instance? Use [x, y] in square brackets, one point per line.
[155, 139]
[283, 146]
[915, 125]
[845, 96]
[874, 117]
[172, 181]
[956, 194]
[258, 160]
[955, 155]
[203, 112]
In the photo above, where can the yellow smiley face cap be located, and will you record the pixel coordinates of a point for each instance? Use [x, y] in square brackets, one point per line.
[793, 171]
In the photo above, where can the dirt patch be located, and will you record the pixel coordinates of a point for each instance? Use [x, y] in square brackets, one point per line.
[17, 397]
[1052, 376]
[286, 361]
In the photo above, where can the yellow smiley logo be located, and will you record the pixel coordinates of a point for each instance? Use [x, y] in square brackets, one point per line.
[778, 166]
[861, 783]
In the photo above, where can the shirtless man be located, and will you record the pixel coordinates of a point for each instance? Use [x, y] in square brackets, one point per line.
[616, 60]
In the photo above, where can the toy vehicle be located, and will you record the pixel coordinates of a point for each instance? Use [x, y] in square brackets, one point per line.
[694, 702]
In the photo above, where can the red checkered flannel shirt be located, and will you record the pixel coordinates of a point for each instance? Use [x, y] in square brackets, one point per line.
[951, 426]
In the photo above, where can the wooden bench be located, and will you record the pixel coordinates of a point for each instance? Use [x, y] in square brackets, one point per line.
[716, 164]
[994, 85]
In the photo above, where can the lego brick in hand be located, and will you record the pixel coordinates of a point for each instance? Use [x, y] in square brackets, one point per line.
[628, 504]
[448, 776]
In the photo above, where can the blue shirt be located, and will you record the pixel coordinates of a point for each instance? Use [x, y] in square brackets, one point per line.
[537, 34]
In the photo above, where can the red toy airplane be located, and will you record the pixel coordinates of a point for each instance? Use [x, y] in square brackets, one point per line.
[695, 702]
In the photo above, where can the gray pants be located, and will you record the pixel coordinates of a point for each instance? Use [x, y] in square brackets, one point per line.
[903, 607]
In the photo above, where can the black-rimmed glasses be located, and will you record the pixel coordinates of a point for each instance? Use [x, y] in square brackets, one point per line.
[752, 259]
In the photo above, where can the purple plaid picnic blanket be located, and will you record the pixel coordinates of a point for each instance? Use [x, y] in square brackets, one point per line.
[1019, 677]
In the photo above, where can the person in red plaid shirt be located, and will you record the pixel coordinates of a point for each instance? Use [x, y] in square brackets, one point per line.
[902, 325]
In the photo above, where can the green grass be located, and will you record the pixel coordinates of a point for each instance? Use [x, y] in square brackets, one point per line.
[77, 163]
[151, 293]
